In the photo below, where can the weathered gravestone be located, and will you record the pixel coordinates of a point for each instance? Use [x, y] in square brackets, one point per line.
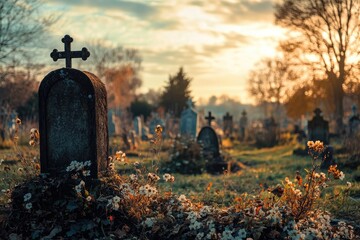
[354, 121]
[318, 128]
[156, 120]
[267, 133]
[243, 125]
[73, 116]
[228, 125]
[209, 140]
[111, 125]
[137, 125]
[189, 121]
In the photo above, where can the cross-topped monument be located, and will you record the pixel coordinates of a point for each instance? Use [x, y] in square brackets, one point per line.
[228, 117]
[209, 118]
[72, 117]
[67, 53]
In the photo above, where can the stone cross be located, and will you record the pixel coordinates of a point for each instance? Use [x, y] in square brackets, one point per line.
[67, 53]
[317, 112]
[72, 119]
[209, 118]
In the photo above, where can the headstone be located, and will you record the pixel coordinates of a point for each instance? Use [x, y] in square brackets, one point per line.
[156, 120]
[318, 128]
[189, 121]
[145, 133]
[208, 138]
[354, 121]
[266, 134]
[243, 125]
[228, 125]
[111, 125]
[73, 117]
[137, 125]
[133, 139]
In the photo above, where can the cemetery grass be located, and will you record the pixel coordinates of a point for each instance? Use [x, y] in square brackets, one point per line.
[262, 169]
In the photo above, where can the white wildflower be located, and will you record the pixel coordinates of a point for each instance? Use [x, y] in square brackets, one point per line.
[27, 197]
[182, 198]
[133, 177]
[116, 199]
[28, 206]
[342, 176]
[149, 222]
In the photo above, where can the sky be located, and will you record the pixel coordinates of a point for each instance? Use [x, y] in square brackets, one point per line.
[216, 41]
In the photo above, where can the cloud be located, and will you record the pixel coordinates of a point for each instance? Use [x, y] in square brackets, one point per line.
[137, 9]
[240, 11]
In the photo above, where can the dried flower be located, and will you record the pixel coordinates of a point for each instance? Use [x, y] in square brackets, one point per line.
[158, 129]
[168, 178]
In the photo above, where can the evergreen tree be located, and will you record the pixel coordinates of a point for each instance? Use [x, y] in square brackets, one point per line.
[176, 93]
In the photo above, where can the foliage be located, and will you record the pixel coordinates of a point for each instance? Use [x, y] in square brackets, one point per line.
[270, 80]
[119, 68]
[20, 26]
[186, 157]
[324, 44]
[141, 108]
[176, 93]
[133, 206]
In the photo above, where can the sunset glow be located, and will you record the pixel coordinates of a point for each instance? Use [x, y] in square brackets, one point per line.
[217, 42]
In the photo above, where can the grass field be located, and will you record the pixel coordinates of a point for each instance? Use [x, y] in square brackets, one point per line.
[262, 169]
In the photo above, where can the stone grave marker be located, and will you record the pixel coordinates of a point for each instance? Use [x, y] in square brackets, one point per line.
[208, 138]
[243, 125]
[189, 121]
[228, 126]
[111, 125]
[137, 125]
[318, 128]
[354, 121]
[72, 116]
[156, 120]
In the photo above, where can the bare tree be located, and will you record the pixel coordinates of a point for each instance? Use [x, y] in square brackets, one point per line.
[120, 68]
[325, 39]
[20, 26]
[268, 82]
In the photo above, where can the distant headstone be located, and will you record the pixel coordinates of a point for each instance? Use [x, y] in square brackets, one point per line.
[154, 122]
[354, 121]
[266, 135]
[145, 133]
[189, 121]
[228, 124]
[137, 125]
[111, 125]
[318, 128]
[73, 117]
[243, 125]
[208, 138]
